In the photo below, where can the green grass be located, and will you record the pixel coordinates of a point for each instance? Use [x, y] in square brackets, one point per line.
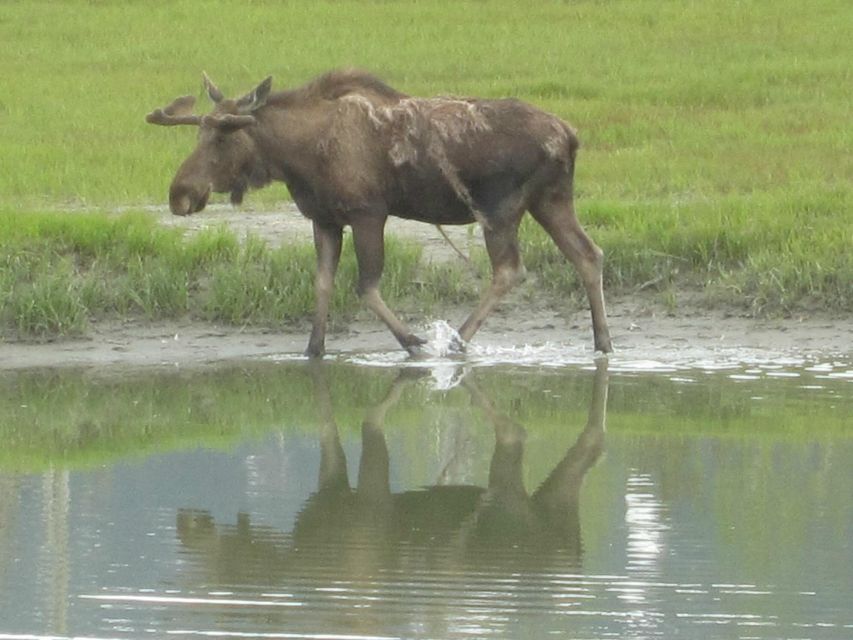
[58, 271]
[750, 251]
[716, 138]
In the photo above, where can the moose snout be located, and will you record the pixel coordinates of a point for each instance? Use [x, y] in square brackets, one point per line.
[186, 199]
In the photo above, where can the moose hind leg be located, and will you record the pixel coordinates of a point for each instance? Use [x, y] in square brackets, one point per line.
[507, 271]
[559, 220]
[369, 241]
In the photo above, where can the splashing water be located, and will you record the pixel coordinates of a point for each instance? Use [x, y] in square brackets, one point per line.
[443, 341]
[446, 376]
[444, 351]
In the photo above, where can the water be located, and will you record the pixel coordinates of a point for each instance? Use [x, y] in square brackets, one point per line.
[514, 493]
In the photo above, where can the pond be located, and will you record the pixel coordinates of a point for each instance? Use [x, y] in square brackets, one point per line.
[386, 499]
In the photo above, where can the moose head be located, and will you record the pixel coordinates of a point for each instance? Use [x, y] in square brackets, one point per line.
[225, 159]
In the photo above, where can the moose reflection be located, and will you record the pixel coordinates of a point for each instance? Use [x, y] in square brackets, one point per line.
[359, 532]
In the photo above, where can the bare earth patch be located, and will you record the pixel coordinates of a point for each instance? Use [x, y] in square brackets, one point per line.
[288, 226]
[641, 329]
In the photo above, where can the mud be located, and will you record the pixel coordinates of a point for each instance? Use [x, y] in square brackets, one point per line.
[289, 226]
[639, 335]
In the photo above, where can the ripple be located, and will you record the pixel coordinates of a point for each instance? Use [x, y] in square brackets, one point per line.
[441, 354]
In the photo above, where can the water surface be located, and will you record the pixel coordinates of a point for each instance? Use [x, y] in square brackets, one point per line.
[282, 500]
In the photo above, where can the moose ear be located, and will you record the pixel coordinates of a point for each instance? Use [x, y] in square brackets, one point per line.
[256, 99]
[212, 90]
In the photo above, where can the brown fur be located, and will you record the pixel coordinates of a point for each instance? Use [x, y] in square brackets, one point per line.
[353, 151]
[336, 84]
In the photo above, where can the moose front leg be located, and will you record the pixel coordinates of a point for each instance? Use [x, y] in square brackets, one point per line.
[369, 239]
[327, 243]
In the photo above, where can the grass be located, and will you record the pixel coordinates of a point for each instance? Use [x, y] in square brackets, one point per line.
[749, 251]
[59, 271]
[715, 137]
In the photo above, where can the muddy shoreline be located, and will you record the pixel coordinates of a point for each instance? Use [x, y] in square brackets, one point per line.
[641, 328]
[639, 334]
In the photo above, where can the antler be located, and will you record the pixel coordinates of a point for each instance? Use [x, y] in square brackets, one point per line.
[213, 91]
[228, 121]
[179, 112]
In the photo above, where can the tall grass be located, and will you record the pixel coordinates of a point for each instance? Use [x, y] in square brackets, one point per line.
[748, 250]
[60, 270]
[716, 137]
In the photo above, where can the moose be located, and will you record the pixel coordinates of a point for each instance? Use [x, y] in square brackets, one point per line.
[353, 151]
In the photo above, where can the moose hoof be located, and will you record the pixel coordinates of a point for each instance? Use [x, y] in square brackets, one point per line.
[603, 349]
[315, 352]
[457, 345]
[602, 342]
[413, 344]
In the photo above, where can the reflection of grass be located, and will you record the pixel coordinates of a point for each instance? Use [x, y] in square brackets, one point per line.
[715, 136]
[65, 417]
[72, 418]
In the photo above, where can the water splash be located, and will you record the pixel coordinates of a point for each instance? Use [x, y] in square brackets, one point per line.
[445, 349]
[446, 376]
[444, 341]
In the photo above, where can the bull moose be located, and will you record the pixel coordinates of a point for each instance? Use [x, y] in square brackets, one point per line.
[352, 151]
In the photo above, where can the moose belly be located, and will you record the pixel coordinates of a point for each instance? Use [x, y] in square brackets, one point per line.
[428, 196]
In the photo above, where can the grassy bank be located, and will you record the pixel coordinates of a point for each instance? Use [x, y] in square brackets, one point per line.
[58, 271]
[758, 253]
[715, 138]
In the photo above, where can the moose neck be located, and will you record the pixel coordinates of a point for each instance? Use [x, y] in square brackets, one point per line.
[283, 134]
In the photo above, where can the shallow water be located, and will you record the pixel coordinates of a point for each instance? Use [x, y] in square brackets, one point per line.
[509, 494]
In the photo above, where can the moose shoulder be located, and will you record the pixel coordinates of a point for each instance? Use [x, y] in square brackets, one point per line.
[353, 151]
